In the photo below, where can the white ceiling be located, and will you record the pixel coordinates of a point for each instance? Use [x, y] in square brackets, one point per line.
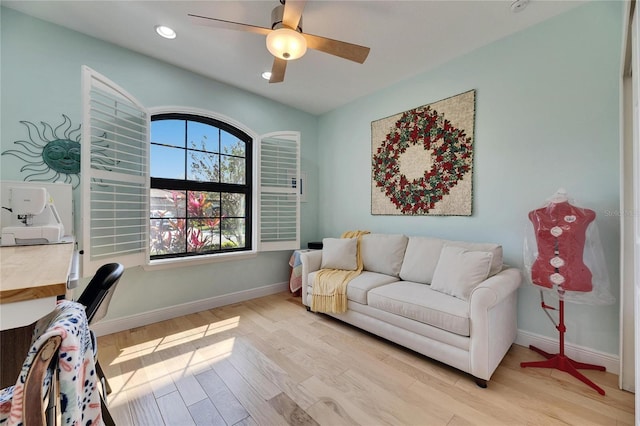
[405, 37]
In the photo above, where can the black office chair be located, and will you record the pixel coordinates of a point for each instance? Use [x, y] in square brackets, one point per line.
[96, 297]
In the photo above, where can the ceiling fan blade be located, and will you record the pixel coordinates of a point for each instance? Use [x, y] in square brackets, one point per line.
[352, 52]
[277, 70]
[229, 25]
[292, 12]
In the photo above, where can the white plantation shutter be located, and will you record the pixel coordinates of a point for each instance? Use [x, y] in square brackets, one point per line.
[115, 177]
[279, 205]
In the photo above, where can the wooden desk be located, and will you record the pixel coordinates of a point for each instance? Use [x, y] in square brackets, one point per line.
[31, 280]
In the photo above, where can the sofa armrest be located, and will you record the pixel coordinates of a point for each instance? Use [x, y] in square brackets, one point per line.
[495, 289]
[311, 261]
[494, 321]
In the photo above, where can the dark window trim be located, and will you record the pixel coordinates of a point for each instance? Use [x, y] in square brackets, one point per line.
[190, 185]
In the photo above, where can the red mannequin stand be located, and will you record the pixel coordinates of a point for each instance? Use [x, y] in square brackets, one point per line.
[560, 361]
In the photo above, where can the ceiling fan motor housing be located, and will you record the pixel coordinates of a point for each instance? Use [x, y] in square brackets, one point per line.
[276, 19]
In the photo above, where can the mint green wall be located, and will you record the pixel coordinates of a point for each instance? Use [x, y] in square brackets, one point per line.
[40, 70]
[546, 117]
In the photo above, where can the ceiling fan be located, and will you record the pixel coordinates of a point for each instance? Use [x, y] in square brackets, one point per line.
[285, 39]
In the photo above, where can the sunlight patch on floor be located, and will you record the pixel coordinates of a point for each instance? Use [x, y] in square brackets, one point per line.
[217, 351]
[223, 325]
[136, 351]
[159, 370]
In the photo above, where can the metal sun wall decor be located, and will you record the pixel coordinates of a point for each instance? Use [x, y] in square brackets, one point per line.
[422, 159]
[53, 154]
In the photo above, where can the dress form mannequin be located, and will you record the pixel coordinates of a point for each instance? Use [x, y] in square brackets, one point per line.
[560, 230]
[561, 233]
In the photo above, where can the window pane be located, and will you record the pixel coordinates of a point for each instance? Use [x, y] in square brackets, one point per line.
[200, 162]
[167, 162]
[232, 169]
[203, 136]
[232, 145]
[166, 203]
[233, 205]
[203, 235]
[203, 204]
[167, 236]
[233, 233]
[203, 167]
[168, 132]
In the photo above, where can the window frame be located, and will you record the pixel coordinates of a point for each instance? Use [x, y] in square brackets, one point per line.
[164, 262]
[187, 184]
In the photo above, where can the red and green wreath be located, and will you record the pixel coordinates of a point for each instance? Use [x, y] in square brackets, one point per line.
[451, 151]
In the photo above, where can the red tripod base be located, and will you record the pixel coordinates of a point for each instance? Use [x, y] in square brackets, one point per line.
[566, 364]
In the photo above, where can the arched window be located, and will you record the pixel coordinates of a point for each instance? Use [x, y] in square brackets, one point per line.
[180, 185]
[200, 195]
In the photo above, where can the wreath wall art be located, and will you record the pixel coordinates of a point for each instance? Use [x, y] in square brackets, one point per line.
[422, 159]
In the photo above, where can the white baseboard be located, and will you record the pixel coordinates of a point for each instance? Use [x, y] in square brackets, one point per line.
[578, 353]
[119, 324]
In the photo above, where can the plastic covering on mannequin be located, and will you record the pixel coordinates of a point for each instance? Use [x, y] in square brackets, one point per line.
[563, 253]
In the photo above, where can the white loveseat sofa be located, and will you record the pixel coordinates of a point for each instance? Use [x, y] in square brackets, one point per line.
[452, 301]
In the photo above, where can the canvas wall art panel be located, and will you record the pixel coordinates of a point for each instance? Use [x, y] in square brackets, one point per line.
[422, 159]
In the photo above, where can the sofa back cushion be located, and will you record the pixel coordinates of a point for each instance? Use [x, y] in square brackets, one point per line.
[383, 253]
[423, 253]
[420, 259]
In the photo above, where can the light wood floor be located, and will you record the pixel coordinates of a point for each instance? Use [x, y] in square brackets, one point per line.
[270, 362]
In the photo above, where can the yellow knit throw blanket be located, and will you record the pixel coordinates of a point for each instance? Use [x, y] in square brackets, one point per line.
[329, 293]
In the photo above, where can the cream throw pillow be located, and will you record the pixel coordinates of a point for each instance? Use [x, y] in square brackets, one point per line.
[459, 271]
[339, 253]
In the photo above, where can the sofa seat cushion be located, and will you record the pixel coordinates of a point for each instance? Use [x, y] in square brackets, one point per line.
[439, 335]
[358, 287]
[420, 303]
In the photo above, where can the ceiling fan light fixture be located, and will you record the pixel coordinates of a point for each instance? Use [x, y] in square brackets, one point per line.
[266, 75]
[287, 44]
[166, 32]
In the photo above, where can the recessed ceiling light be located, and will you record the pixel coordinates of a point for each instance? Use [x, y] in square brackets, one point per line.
[266, 75]
[519, 5]
[166, 32]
